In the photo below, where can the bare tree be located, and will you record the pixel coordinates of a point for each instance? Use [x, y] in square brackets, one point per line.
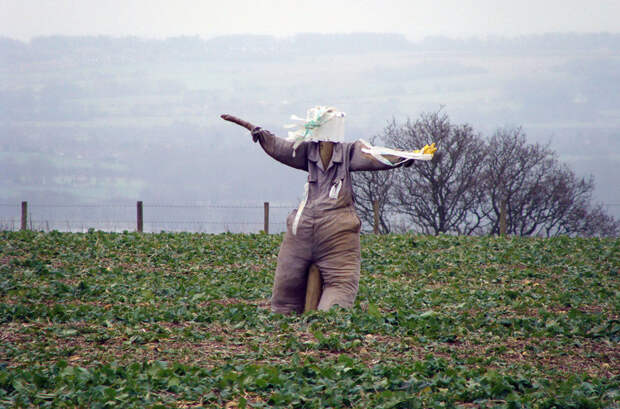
[371, 187]
[585, 219]
[471, 183]
[514, 180]
[591, 221]
[540, 196]
[444, 194]
[564, 195]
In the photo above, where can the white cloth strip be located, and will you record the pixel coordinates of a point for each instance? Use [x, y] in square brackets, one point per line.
[300, 209]
[378, 151]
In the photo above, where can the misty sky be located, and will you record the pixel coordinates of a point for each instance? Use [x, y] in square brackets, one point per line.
[24, 19]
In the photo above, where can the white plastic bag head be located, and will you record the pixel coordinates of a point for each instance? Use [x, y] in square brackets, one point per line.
[321, 124]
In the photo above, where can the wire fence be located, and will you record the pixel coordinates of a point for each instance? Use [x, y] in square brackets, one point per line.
[146, 217]
[151, 217]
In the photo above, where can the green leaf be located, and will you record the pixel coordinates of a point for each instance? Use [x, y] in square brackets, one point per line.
[373, 311]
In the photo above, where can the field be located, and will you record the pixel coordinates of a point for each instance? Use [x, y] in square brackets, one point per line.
[183, 320]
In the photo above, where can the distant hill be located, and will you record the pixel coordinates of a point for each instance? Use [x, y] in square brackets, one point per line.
[245, 46]
[197, 49]
[87, 119]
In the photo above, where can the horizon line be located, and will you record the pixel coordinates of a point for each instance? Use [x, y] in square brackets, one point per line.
[471, 37]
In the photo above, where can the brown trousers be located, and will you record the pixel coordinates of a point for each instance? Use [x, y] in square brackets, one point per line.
[331, 240]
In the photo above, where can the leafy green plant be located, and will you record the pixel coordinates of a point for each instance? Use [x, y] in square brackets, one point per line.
[181, 320]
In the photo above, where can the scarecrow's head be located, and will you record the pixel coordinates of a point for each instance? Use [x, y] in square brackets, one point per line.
[321, 124]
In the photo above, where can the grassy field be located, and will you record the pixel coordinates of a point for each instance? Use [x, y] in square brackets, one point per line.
[183, 320]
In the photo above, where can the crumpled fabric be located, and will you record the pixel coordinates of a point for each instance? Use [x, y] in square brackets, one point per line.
[322, 123]
[378, 153]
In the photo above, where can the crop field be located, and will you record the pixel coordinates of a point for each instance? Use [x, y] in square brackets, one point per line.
[183, 320]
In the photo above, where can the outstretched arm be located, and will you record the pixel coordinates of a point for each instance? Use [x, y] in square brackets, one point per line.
[367, 157]
[278, 148]
[365, 161]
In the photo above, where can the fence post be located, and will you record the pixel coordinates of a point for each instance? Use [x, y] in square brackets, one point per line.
[24, 215]
[266, 217]
[375, 209]
[139, 216]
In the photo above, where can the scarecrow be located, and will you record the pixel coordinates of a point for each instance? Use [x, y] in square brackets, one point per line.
[324, 230]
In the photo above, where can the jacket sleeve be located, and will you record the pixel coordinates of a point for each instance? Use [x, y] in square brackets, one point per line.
[280, 149]
[365, 161]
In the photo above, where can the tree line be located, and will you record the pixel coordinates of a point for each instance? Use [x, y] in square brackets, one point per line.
[477, 185]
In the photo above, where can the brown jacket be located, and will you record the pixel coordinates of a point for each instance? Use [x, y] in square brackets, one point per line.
[346, 157]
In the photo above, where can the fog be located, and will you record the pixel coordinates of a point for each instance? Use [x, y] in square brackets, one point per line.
[108, 121]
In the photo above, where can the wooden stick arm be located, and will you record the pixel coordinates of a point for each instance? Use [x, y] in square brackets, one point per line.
[247, 125]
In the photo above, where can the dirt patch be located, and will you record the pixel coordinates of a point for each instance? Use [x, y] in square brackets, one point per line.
[597, 358]
[105, 345]
[210, 345]
[262, 303]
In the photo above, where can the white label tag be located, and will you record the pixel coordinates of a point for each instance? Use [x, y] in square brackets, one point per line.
[335, 190]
